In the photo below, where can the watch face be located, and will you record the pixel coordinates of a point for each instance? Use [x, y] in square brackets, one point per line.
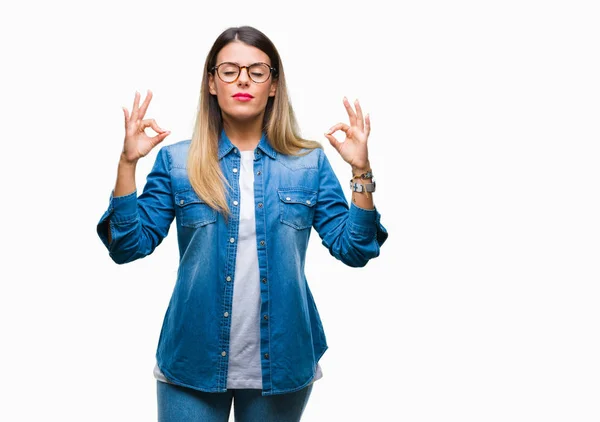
[370, 187]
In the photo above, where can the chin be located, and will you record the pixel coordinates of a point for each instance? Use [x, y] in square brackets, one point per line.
[242, 115]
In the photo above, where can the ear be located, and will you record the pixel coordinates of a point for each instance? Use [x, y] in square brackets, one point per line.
[273, 88]
[211, 84]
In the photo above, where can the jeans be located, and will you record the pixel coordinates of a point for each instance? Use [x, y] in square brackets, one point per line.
[181, 404]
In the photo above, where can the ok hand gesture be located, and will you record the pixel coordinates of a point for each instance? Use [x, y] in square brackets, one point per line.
[354, 148]
[137, 143]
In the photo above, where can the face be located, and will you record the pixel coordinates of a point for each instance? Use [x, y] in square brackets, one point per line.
[243, 99]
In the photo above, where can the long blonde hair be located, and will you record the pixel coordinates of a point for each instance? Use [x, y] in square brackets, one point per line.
[279, 122]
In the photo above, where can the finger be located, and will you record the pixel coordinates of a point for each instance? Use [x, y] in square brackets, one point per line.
[145, 105]
[340, 126]
[334, 142]
[359, 115]
[134, 110]
[126, 113]
[351, 113]
[152, 123]
[367, 125]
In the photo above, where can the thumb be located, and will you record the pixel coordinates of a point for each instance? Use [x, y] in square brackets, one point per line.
[334, 142]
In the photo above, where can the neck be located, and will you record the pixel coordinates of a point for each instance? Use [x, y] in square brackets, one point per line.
[244, 135]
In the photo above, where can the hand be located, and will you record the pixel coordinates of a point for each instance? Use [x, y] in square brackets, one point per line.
[137, 143]
[354, 148]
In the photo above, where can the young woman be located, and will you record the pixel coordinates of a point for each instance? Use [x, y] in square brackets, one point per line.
[245, 192]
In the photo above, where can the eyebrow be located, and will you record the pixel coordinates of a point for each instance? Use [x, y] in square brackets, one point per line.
[226, 61]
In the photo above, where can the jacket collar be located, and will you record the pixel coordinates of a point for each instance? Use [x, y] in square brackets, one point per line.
[225, 145]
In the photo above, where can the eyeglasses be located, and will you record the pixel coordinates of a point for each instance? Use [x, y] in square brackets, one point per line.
[230, 72]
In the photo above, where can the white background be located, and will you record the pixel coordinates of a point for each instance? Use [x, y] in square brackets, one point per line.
[484, 303]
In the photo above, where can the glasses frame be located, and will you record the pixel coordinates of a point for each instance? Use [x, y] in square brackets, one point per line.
[272, 71]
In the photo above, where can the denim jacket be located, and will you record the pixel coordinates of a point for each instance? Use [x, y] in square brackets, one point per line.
[291, 195]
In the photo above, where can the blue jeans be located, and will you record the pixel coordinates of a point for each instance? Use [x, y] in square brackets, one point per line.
[181, 404]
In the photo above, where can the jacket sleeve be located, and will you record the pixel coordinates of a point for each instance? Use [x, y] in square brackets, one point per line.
[352, 234]
[138, 224]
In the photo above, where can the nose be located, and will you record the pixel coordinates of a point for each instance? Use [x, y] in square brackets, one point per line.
[244, 77]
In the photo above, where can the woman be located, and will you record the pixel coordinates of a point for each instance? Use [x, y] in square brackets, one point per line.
[245, 192]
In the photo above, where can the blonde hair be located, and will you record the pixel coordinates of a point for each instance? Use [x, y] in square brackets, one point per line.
[279, 122]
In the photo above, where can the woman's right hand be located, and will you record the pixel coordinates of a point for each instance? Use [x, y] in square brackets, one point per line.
[137, 143]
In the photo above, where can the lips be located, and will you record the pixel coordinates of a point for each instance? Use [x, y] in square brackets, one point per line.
[242, 95]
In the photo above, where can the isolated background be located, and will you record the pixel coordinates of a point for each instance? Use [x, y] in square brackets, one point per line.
[483, 305]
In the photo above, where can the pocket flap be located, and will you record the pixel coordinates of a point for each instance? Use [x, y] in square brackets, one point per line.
[298, 196]
[187, 197]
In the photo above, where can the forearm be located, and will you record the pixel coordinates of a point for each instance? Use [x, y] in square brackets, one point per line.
[125, 183]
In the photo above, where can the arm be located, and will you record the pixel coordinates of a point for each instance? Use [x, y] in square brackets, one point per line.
[352, 234]
[123, 207]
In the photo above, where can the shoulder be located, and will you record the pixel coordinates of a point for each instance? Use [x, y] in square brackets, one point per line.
[308, 158]
[176, 153]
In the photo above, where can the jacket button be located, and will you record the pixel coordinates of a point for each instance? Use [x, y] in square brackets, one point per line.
[223, 353]
[260, 205]
[264, 280]
[258, 173]
[232, 240]
[228, 278]
[266, 355]
[235, 170]
[262, 243]
[235, 203]
[226, 314]
[266, 317]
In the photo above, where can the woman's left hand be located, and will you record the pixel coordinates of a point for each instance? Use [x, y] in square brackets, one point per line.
[354, 148]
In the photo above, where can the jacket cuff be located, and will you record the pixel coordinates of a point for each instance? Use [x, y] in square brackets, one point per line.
[121, 210]
[363, 220]
[367, 222]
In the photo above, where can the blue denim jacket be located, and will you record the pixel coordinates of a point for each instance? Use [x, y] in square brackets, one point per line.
[292, 195]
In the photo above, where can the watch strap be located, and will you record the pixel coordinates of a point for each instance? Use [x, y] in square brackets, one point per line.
[362, 187]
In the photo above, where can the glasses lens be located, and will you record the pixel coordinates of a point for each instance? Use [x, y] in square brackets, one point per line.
[228, 72]
[259, 72]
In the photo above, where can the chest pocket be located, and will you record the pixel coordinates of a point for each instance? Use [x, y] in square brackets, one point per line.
[193, 211]
[297, 207]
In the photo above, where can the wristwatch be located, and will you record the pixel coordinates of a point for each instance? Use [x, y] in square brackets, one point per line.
[362, 187]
